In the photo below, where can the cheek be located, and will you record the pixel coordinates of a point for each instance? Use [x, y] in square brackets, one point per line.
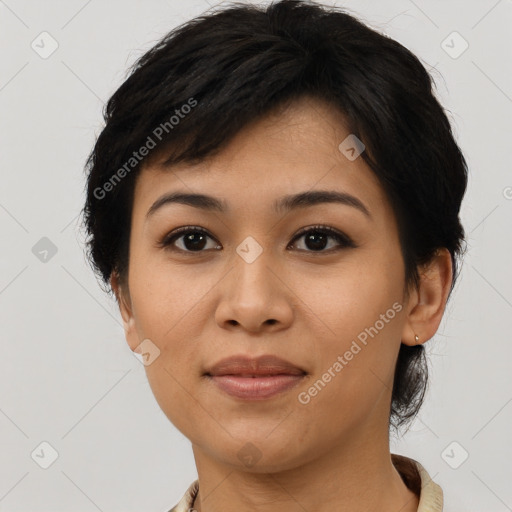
[169, 311]
[174, 393]
[352, 296]
[359, 321]
[352, 382]
[167, 298]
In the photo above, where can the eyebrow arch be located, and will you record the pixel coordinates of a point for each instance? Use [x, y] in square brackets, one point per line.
[286, 203]
[314, 197]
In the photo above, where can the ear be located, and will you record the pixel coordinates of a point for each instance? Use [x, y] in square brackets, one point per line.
[427, 303]
[126, 310]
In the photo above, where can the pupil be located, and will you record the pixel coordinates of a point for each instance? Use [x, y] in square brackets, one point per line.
[312, 236]
[190, 238]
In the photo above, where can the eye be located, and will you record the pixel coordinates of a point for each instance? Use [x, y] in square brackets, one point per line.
[316, 238]
[194, 239]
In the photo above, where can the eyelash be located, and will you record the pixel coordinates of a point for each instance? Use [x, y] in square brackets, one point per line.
[344, 240]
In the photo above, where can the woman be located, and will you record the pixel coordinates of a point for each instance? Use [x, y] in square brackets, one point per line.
[274, 201]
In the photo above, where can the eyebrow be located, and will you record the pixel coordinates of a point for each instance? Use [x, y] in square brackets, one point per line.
[284, 204]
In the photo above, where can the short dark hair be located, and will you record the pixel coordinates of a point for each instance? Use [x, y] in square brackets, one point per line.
[237, 64]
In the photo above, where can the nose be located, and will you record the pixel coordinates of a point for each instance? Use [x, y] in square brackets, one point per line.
[255, 296]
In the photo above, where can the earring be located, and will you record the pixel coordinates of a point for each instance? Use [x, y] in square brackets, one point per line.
[417, 338]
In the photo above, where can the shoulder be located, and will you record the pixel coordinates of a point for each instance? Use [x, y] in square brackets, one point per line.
[416, 477]
[187, 500]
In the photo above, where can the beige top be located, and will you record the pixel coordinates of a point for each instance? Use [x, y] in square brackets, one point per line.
[413, 474]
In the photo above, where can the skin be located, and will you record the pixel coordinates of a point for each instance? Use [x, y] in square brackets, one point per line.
[198, 307]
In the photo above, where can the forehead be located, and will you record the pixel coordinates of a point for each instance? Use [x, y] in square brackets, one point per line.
[294, 149]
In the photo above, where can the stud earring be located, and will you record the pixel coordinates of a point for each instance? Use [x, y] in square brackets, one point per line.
[417, 338]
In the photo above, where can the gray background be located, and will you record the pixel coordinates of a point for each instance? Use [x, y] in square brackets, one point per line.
[67, 376]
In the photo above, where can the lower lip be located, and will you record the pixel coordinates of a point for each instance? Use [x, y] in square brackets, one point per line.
[255, 388]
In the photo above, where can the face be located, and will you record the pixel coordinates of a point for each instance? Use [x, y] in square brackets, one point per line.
[248, 281]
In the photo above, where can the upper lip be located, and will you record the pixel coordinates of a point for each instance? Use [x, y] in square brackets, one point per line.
[251, 366]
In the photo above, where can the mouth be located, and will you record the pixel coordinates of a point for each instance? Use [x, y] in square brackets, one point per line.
[257, 378]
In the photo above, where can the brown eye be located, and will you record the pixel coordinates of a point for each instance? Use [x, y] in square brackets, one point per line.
[193, 239]
[317, 238]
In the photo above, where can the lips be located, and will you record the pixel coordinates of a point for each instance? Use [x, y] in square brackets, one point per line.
[259, 378]
[245, 366]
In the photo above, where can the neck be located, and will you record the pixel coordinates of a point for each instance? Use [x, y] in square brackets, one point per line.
[357, 476]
